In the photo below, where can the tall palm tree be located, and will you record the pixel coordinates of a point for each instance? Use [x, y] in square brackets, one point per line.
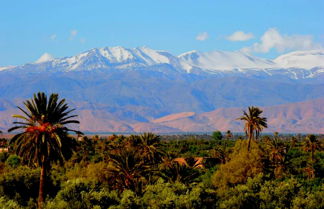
[311, 145]
[44, 136]
[277, 155]
[254, 123]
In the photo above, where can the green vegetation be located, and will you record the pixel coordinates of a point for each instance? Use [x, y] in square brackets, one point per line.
[217, 135]
[150, 171]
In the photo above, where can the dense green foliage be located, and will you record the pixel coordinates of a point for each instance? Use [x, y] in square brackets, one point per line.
[145, 171]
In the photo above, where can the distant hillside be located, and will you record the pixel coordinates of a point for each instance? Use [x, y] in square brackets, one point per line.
[302, 117]
[294, 117]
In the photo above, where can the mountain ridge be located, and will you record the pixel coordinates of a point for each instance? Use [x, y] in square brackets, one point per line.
[309, 63]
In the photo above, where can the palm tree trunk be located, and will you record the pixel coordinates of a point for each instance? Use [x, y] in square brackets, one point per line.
[249, 143]
[41, 187]
[250, 138]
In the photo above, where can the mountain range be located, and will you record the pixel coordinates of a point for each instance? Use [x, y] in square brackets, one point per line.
[140, 89]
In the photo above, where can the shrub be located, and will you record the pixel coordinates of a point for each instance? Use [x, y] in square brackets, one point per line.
[8, 204]
[217, 135]
[241, 196]
[242, 165]
[96, 172]
[278, 194]
[177, 195]
[20, 184]
[80, 193]
[309, 200]
[13, 161]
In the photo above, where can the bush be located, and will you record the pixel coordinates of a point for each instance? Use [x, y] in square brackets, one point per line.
[241, 196]
[20, 184]
[273, 194]
[278, 194]
[176, 195]
[217, 135]
[242, 165]
[8, 204]
[13, 161]
[96, 172]
[80, 193]
[309, 200]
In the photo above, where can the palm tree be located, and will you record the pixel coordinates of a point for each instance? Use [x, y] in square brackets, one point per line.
[175, 170]
[133, 160]
[254, 123]
[311, 145]
[44, 136]
[277, 155]
[127, 170]
[149, 146]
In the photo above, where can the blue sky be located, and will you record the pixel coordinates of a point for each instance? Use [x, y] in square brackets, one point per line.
[66, 27]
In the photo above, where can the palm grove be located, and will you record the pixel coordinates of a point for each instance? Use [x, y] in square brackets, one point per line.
[150, 171]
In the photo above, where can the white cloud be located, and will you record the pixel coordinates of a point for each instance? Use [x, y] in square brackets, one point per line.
[53, 36]
[272, 39]
[202, 36]
[73, 33]
[45, 58]
[240, 36]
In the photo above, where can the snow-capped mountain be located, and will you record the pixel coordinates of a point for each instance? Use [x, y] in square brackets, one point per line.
[46, 57]
[6, 68]
[141, 84]
[294, 65]
[107, 58]
[223, 61]
[116, 57]
[301, 59]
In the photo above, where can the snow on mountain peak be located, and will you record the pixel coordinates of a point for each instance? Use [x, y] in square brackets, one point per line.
[191, 62]
[223, 60]
[140, 55]
[116, 54]
[154, 55]
[46, 57]
[189, 53]
[116, 57]
[6, 68]
[302, 59]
